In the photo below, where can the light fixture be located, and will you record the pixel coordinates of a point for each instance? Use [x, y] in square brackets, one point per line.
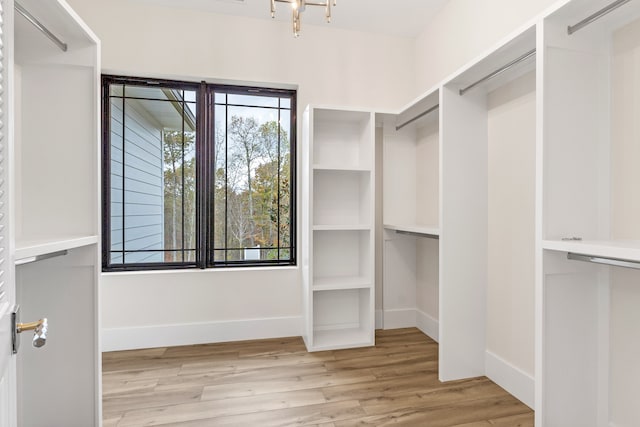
[298, 6]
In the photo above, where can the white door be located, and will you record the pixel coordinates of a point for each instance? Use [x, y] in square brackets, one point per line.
[8, 390]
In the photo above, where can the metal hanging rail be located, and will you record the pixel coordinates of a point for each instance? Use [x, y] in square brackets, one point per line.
[418, 234]
[604, 260]
[499, 71]
[29, 17]
[594, 17]
[42, 257]
[424, 113]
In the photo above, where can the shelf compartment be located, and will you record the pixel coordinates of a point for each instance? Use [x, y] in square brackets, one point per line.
[343, 282]
[342, 138]
[331, 167]
[414, 229]
[339, 254]
[342, 319]
[411, 172]
[342, 227]
[341, 197]
[37, 247]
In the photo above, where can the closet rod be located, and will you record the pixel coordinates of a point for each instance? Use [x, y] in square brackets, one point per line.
[499, 71]
[594, 17]
[417, 234]
[424, 113]
[29, 17]
[37, 258]
[604, 260]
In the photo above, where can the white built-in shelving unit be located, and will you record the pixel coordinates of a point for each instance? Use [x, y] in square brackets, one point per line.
[338, 228]
[54, 174]
[411, 215]
[532, 180]
[587, 311]
[456, 232]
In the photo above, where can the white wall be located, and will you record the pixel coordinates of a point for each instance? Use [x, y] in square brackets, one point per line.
[464, 29]
[511, 228]
[625, 174]
[328, 66]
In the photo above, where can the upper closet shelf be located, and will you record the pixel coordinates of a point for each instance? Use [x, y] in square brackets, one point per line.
[414, 229]
[34, 248]
[616, 249]
[330, 167]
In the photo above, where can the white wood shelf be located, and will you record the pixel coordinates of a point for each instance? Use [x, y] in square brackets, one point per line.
[414, 229]
[340, 283]
[619, 249]
[342, 227]
[329, 167]
[335, 339]
[36, 247]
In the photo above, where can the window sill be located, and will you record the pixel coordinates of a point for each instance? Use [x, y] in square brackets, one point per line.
[201, 271]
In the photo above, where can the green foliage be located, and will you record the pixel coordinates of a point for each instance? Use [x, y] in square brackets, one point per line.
[252, 193]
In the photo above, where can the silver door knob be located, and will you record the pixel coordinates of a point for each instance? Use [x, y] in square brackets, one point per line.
[40, 331]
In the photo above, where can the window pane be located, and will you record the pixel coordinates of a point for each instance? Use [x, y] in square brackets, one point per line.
[153, 177]
[220, 181]
[253, 185]
[253, 100]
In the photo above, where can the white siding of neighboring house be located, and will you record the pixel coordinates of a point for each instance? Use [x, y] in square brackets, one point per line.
[143, 180]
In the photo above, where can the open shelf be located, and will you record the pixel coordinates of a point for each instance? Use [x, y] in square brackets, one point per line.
[335, 339]
[342, 138]
[342, 254]
[37, 247]
[341, 197]
[618, 249]
[414, 229]
[329, 167]
[342, 318]
[341, 282]
[342, 227]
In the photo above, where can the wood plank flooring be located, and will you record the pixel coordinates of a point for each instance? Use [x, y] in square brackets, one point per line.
[277, 383]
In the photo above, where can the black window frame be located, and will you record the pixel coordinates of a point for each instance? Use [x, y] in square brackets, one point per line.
[205, 173]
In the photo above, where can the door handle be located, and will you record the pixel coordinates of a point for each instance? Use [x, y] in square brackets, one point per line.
[40, 331]
[39, 327]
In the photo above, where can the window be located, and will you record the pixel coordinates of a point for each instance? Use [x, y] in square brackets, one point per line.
[197, 175]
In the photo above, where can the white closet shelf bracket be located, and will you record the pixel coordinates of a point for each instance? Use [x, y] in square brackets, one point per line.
[595, 16]
[37, 258]
[617, 262]
[499, 71]
[424, 113]
[32, 19]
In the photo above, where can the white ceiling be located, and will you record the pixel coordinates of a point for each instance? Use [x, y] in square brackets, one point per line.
[396, 17]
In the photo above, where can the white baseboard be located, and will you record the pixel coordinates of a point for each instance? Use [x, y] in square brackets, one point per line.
[428, 325]
[399, 318]
[411, 318]
[513, 379]
[115, 339]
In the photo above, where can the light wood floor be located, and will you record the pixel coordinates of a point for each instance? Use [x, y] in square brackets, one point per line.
[277, 383]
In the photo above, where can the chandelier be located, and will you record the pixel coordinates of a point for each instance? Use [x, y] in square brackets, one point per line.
[299, 6]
